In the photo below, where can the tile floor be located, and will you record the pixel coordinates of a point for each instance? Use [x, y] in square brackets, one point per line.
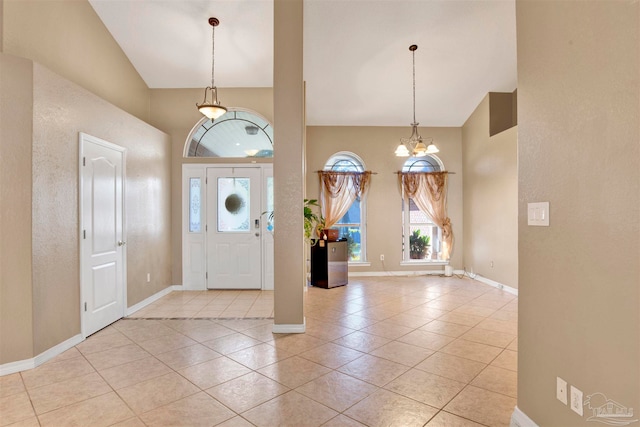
[399, 351]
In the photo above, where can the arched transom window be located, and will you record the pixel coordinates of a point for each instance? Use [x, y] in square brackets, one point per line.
[236, 134]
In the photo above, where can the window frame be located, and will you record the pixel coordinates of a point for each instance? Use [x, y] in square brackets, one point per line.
[358, 163]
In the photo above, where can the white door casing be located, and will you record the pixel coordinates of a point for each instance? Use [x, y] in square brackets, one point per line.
[233, 228]
[102, 237]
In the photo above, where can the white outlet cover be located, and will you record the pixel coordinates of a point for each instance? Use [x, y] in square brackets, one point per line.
[561, 390]
[576, 401]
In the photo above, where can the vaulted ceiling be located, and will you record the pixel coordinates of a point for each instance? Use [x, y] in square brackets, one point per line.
[357, 63]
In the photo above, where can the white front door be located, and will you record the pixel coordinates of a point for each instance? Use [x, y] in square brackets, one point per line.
[233, 228]
[102, 238]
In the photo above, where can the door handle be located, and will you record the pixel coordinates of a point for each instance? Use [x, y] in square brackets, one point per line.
[121, 243]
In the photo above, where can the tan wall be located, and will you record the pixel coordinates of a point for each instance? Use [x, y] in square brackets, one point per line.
[490, 198]
[70, 39]
[579, 127]
[16, 118]
[375, 146]
[174, 111]
[61, 110]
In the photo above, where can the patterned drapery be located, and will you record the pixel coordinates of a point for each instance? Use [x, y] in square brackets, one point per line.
[429, 192]
[338, 191]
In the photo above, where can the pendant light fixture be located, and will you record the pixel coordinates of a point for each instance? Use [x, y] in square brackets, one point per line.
[212, 108]
[414, 145]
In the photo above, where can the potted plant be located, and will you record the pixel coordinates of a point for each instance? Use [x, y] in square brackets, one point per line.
[418, 245]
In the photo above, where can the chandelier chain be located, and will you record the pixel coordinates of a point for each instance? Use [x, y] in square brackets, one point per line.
[414, 86]
[213, 51]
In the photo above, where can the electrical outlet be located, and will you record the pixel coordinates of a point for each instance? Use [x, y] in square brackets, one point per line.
[576, 401]
[561, 390]
[381, 257]
[491, 264]
[148, 277]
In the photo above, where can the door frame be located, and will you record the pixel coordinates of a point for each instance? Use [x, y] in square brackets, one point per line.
[89, 139]
[197, 280]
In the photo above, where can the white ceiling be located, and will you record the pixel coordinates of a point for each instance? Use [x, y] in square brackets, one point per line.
[357, 62]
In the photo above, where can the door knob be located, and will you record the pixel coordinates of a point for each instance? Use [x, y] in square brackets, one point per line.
[121, 243]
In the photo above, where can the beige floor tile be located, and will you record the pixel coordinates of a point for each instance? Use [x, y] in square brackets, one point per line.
[500, 326]
[387, 329]
[342, 421]
[452, 367]
[236, 421]
[426, 388]
[63, 393]
[99, 411]
[327, 332]
[244, 324]
[297, 343]
[385, 408]
[131, 422]
[362, 341]
[294, 371]
[337, 391]
[374, 370]
[445, 328]
[514, 345]
[431, 309]
[194, 411]
[406, 354]
[182, 325]
[409, 320]
[504, 314]
[50, 373]
[290, 410]
[247, 391]
[461, 319]
[11, 384]
[445, 419]
[426, 339]
[259, 356]
[262, 332]
[159, 391]
[482, 406]
[102, 343]
[353, 321]
[507, 359]
[498, 380]
[209, 332]
[28, 422]
[485, 336]
[116, 356]
[472, 350]
[331, 355]
[166, 342]
[187, 356]
[72, 352]
[134, 372]
[14, 408]
[214, 372]
[475, 310]
[231, 343]
[147, 332]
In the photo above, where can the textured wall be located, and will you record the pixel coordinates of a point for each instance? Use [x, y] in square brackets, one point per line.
[490, 198]
[70, 39]
[376, 146]
[578, 133]
[16, 119]
[62, 110]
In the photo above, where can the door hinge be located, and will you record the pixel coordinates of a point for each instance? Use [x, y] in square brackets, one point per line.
[84, 234]
[84, 161]
[206, 228]
[85, 306]
[206, 275]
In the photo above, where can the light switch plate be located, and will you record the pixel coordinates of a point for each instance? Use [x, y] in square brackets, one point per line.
[538, 214]
[576, 401]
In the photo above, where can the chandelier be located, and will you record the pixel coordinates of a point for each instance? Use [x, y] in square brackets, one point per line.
[212, 108]
[414, 145]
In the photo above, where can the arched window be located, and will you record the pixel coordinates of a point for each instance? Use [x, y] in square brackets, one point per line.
[352, 225]
[421, 237]
[238, 133]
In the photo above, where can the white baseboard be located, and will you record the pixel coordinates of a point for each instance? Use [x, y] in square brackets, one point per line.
[23, 365]
[400, 273]
[489, 282]
[290, 329]
[153, 298]
[520, 419]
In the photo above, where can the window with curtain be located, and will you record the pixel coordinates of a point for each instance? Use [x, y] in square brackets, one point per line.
[421, 237]
[351, 225]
